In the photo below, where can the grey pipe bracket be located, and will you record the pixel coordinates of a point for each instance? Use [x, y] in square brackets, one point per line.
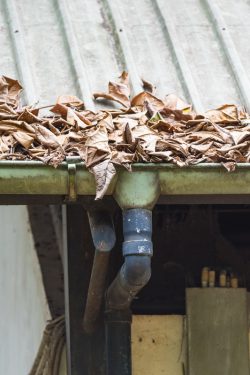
[72, 186]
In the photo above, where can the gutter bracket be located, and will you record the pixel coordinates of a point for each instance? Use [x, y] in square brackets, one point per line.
[72, 186]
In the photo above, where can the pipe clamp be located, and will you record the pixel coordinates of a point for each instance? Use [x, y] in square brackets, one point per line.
[72, 188]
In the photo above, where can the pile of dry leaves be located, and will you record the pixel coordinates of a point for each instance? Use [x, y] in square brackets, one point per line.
[145, 129]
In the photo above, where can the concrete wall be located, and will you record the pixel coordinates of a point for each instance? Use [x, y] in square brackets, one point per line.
[24, 310]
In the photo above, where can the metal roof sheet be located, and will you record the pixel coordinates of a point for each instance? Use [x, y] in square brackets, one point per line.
[198, 49]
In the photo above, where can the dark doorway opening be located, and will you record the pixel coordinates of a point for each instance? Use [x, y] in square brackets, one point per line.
[187, 238]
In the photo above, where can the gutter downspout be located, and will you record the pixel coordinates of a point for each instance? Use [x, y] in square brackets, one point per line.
[132, 277]
[103, 235]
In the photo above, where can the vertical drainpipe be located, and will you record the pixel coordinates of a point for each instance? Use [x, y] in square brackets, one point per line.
[132, 277]
[136, 195]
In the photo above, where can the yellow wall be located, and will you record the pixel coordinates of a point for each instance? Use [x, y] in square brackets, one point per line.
[157, 347]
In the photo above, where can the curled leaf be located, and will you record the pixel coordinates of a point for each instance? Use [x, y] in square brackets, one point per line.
[24, 139]
[178, 107]
[148, 86]
[10, 90]
[118, 92]
[104, 173]
[175, 103]
[98, 139]
[145, 97]
[107, 122]
[7, 112]
[46, 137]
[227, 113]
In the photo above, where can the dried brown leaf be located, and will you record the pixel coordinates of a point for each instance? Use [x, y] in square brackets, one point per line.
[99, 139]
[74, 119]
[229, 165]
[24, 139]
[175, 103]
[54, 158]
[227, 113]
[148, 86]
[46, 137]
[174, 106]
[145, 97]
[14, 125]
[70, 100]
[7, 112]
[239, 136]
[104, 172]
[203, 148]
[10, 90]
[28, 117]
[122, 158]
[128, 135]
[107, 122]
[118, 92]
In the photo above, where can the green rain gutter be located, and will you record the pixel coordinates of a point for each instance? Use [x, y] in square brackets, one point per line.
[143, 186]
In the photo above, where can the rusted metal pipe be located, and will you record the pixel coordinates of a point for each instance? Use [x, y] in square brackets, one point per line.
[96, 291]
[103, 235]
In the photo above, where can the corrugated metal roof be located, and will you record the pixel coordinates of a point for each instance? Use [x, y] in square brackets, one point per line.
[196, 49]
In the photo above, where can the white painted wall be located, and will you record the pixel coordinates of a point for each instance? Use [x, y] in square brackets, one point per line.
[24, 310]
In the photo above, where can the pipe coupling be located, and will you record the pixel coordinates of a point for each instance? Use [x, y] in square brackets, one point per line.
[137, 230]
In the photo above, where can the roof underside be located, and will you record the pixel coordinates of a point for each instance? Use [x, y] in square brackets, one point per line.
[196, 49]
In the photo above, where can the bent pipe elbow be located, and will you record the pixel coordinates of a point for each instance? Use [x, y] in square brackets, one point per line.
[136, 271]
[132, 277]
[137, 250]
[102, 230]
